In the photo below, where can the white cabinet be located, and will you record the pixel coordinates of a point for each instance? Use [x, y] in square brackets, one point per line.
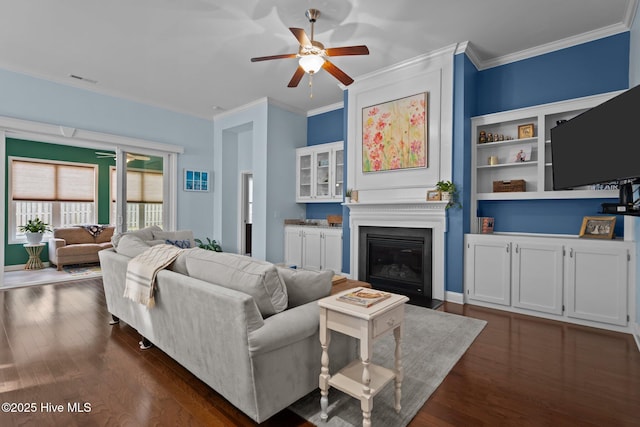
[537, 275]
[499, 158]
[597, 283]
[561, 278]
[315, 248]
[319, 173]
[488, 270]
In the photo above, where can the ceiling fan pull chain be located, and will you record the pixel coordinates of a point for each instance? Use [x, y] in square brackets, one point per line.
[311, 85]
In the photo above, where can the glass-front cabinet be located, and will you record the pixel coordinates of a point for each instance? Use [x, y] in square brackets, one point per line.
[319, 176]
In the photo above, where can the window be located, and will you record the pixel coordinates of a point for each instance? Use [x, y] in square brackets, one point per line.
[144, 198]
[59, 193]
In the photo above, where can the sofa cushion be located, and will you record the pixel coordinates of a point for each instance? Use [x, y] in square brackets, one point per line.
[143, 234]
[304, 286]
[259, 279]
[73, 235]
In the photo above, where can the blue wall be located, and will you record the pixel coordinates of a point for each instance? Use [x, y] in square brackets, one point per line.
[322, 128]
[591, 68]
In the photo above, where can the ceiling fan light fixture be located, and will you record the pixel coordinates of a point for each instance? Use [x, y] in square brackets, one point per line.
[311, 63]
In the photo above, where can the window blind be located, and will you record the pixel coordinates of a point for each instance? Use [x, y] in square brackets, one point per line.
[43, 181]
[142, 186]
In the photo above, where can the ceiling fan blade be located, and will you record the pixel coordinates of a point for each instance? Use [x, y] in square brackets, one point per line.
[337, 73]
[297, 76]
[348, 50]
[103, 154]
[266, 58]
[302, 37]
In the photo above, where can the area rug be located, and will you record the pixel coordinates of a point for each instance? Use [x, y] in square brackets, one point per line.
[433, 342]
[80, 270]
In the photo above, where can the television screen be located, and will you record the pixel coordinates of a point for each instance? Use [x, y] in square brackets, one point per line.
[600, 145]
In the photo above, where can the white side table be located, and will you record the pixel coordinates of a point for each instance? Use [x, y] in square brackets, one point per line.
[361, 378]
[34, 250]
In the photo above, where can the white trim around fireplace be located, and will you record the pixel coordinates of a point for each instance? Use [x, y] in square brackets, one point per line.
[406, 214]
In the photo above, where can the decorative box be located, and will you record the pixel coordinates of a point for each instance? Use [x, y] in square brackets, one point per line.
[508, 186]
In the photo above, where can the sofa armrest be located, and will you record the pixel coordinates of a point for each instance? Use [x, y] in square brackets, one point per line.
[54, 244]
[285, 328]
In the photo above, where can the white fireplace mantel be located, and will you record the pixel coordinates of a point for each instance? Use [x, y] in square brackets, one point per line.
[406, 214]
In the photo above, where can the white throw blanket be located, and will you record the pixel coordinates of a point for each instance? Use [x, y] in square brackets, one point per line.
[142, 271]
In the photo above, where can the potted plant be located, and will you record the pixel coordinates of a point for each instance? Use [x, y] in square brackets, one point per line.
[211, 245]
[34, 229]
[448, 192]
[347, 195]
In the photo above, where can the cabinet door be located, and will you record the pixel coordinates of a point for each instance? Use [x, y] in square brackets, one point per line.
[537, 275]
[597, 282]
[293, 246]
[332, 250]
[311, 252]
[338, 173]
[488, 270]
[304, 176]
[322, 166]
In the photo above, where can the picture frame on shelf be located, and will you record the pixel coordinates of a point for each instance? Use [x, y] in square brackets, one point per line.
[525, 131]
[598, 227]
[433, 196]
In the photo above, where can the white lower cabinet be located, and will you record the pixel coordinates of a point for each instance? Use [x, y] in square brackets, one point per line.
[313, 248]
[562, 278]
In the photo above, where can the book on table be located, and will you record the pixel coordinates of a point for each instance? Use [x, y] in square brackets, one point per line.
[364, 297]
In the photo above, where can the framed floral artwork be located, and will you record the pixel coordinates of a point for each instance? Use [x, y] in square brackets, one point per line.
[394, 135]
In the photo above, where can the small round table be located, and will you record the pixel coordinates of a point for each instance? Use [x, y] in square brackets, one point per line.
[34, 250]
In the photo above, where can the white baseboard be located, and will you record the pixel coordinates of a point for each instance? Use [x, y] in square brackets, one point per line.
[456, 297]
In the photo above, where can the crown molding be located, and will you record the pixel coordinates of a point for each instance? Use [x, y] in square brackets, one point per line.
[447, 50]
[467, 48]
[632, 9]
[257, 102]
[325, 109]
[556, 45]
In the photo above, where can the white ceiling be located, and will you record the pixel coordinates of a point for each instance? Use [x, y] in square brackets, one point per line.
[192, 56]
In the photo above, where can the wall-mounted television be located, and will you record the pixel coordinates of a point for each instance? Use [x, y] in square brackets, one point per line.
[599, 146]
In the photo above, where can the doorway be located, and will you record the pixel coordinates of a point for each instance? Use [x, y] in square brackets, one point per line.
[246, 211]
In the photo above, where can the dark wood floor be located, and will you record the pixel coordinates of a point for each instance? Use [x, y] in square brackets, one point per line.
[57, 348]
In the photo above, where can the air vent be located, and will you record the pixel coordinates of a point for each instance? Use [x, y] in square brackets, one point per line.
[84, 79]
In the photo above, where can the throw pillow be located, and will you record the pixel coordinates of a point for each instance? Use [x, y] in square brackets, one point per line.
[304, 286]
[143, 234]
[175, 235]
[131, 245]
[259, 279]
[182, 244]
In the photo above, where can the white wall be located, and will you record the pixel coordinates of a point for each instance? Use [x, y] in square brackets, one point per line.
[634, 80]
[275, 134]
[28, 98]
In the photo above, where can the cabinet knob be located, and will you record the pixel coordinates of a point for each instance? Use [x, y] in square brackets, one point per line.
[507, 248]
[391, 322]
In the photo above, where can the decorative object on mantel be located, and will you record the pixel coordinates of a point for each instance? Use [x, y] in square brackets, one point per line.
[354, 196]
[448, 192]
[598, 227]
[394, 134]
[433, 196]
[196, 180]
[334, 220]
[34, 229]
[347, 195]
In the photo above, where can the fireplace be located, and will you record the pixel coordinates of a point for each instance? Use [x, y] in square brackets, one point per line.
[396, 223]
[397, 259]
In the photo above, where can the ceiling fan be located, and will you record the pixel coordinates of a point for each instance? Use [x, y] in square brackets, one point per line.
[130, 157]
[313, 55]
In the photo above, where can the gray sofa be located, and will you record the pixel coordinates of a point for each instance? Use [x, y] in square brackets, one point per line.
[260, 363]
